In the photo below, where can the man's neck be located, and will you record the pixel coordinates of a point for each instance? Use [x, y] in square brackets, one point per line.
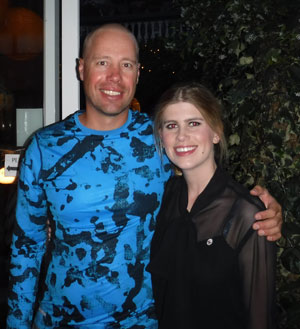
[103, 122]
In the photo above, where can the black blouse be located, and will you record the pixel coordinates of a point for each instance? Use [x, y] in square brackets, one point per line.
[209, 268]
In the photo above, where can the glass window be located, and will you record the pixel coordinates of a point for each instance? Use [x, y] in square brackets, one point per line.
[21, 64]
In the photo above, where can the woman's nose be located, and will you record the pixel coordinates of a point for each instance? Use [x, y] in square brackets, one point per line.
[181, 134]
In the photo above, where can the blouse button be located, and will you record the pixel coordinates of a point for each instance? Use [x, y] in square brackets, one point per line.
[209, 242]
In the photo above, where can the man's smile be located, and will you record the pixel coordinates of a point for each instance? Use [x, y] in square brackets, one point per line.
[110, 92]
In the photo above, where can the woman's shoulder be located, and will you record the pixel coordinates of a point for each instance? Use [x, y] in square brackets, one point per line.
[244, 206]
[174, 181]
[243, 194]
[173, 187]
[173, 197]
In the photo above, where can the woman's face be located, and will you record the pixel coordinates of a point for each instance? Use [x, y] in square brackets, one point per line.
[187, 138]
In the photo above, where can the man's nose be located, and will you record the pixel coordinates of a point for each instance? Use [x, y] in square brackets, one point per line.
[114, 74]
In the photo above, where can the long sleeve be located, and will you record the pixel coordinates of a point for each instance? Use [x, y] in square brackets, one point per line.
[28, 244]
[256, 261]
[257, 266]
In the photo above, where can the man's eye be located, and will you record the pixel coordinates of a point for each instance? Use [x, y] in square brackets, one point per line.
[128, 65]
[102, 63]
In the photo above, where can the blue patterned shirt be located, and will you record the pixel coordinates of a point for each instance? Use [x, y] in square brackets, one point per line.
[102, 191]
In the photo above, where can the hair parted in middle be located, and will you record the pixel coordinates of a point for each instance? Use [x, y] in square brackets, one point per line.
[207, 104]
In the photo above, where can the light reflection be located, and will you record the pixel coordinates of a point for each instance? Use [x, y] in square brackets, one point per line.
[6, 179]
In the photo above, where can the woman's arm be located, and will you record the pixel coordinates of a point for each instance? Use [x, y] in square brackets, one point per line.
[257, 261]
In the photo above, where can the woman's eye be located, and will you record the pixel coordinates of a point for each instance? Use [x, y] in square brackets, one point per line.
[194, 124]
[170, 125]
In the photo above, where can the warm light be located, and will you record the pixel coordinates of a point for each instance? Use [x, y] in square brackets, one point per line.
[3, 11]
[135, 105]
[6, 179]
[21, 34]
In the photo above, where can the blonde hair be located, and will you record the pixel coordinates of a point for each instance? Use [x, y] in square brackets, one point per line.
[207, 104]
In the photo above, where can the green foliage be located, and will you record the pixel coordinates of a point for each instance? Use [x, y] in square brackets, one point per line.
[247, 52]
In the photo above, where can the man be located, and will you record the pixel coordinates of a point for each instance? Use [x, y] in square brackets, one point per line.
[96, 175]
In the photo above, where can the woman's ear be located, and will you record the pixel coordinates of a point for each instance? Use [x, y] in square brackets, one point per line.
[216, 138]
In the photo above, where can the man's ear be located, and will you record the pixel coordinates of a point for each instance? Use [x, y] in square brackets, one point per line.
[138, 73]
[77, 69]
[80, 68]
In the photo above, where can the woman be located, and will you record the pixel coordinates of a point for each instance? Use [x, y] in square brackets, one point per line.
[209, 268]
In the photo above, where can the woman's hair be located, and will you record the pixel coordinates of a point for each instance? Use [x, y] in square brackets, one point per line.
[207, 104]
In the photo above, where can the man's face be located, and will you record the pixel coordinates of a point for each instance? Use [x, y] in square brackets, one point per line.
[109, 71]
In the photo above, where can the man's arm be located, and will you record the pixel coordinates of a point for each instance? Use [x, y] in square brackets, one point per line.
[28, 243]
[269, 221]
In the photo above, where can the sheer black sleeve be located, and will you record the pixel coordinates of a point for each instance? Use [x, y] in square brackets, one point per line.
[257, 263]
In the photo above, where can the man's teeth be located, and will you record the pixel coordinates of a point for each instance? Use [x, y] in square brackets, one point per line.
[185, 149]
[111, 92]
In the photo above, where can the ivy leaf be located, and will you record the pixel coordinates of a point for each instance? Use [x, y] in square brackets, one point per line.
[246, 60]
[234, 139]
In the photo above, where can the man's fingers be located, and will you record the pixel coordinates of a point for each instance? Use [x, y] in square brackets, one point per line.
[271, 229]
[258, 190]
[269, 213]
[274, 237]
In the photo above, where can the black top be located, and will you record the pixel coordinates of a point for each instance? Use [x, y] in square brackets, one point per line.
[209, 268]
